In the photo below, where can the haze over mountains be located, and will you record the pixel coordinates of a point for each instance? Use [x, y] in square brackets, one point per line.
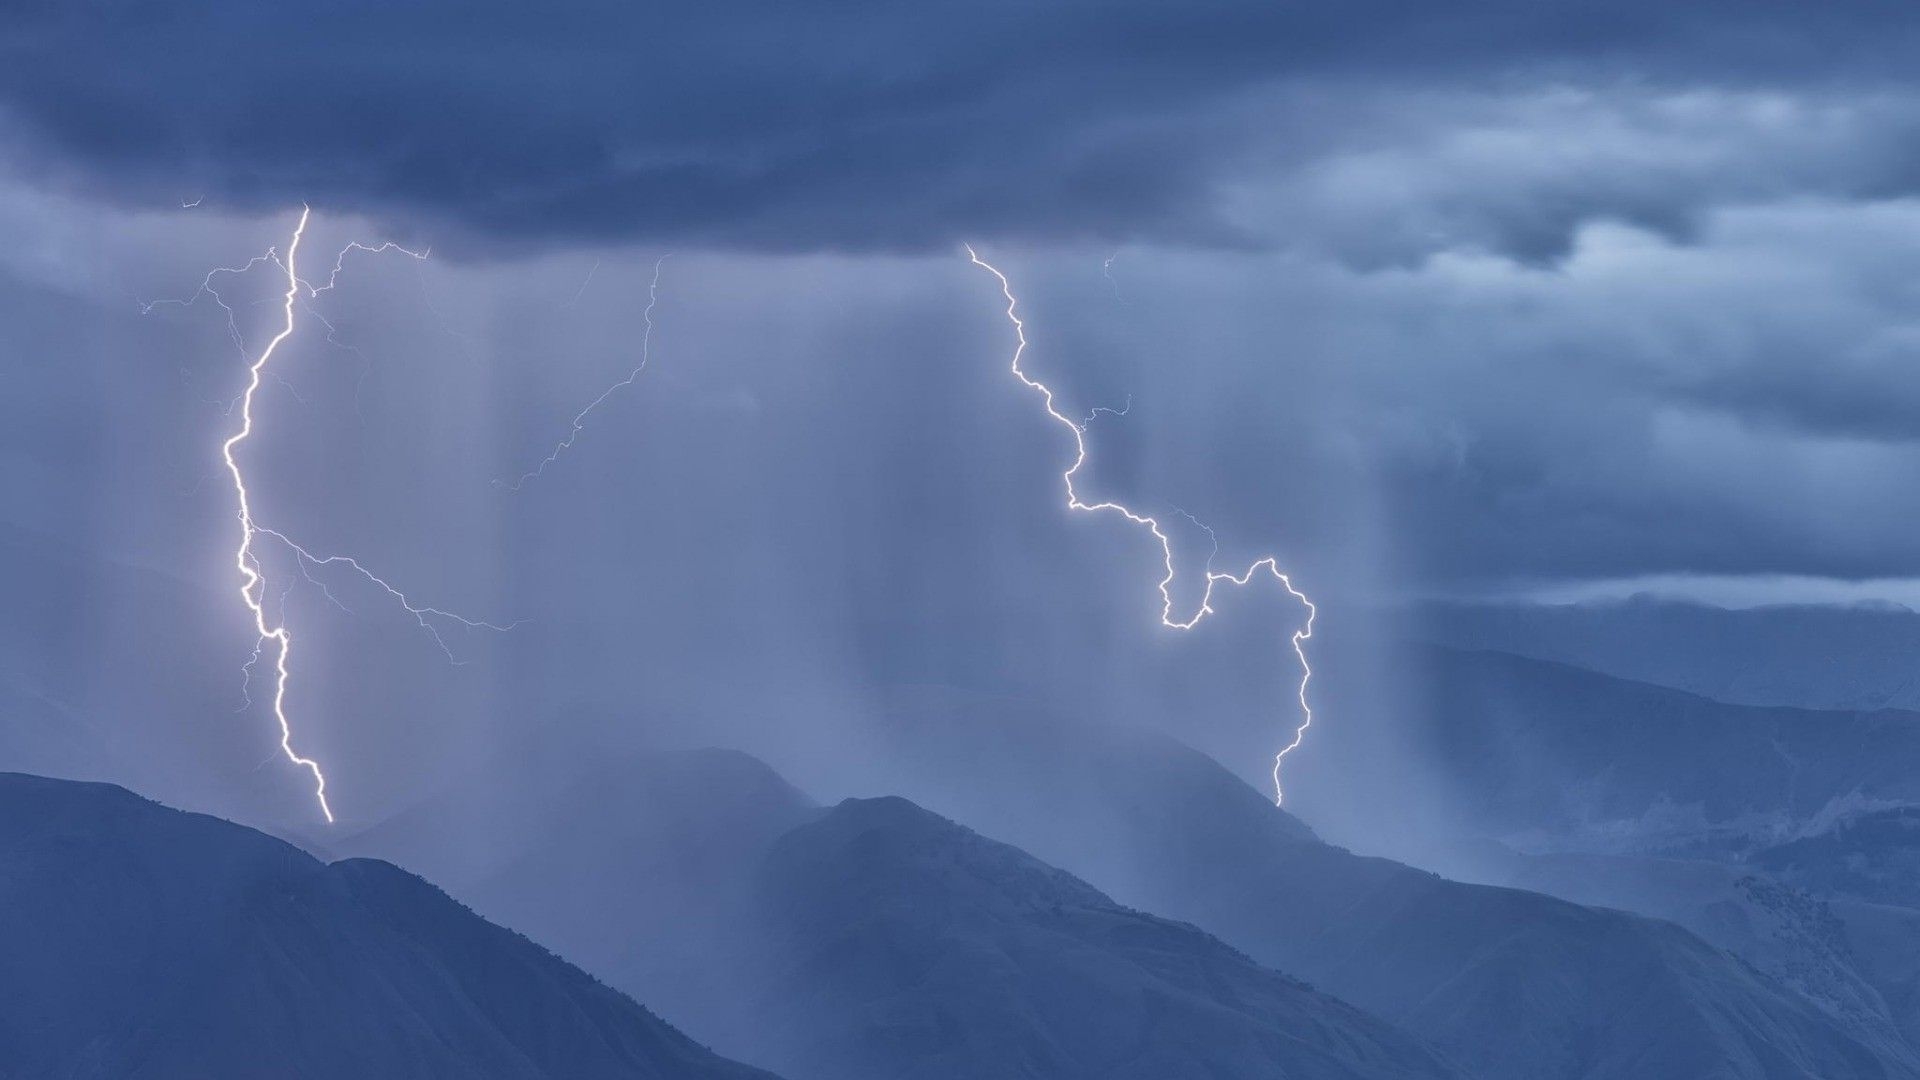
[1558, 756]
[1498, 982]
[1510, 983]
[1780, 834]
[1642, 883]
[875, 939]
[901, 944]
[1815, 656]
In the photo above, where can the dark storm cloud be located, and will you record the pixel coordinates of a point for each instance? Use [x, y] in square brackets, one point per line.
[1739, 403]
[1742, 404]
[1552, 294]
[856, 125]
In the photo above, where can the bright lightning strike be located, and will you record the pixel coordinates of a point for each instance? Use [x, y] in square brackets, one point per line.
[253, 582]
[639, 369]
[427, 617]
[253, 587]
[1269, 565]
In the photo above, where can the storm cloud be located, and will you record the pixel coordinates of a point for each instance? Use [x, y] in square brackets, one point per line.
[1514, 300]
[861, 126]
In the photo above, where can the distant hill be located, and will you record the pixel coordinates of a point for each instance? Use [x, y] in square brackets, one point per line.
[1559, 756]
[1860, 657]
[1873, 856]
[1854, 959]
[143, 942]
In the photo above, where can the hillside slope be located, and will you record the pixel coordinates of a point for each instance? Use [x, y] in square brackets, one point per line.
[1513, 985]
[902, 945]
[140, 941]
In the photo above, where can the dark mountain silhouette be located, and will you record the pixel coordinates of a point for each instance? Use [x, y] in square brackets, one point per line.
[139, 941]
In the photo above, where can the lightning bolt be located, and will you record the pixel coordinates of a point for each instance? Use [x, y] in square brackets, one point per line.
[582, 290]
[640, 368]
[253, 581]
[1268, 565]
[272, 631]
[1094, 414]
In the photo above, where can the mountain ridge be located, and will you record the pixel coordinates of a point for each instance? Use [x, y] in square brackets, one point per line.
[142, 941]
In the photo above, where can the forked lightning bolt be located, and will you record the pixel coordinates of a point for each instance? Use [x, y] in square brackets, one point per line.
[254, 583]
[639, 369]
[1269, 564]
[253, 580]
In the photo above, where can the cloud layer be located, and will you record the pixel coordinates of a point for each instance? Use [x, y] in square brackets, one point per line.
[867, 125]
[1423, 302]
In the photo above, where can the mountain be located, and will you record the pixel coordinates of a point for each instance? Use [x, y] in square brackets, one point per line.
[1782, 835]
[1853, 960]
[1560, 757]
[1814, 656]
[140, 941]
[1873, 856]
[865, 927]
[634, 866]
[902, 946]
[757, 920]
[1511, 984]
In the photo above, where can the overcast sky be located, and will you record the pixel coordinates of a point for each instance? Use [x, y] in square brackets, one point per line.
[1527, 300]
